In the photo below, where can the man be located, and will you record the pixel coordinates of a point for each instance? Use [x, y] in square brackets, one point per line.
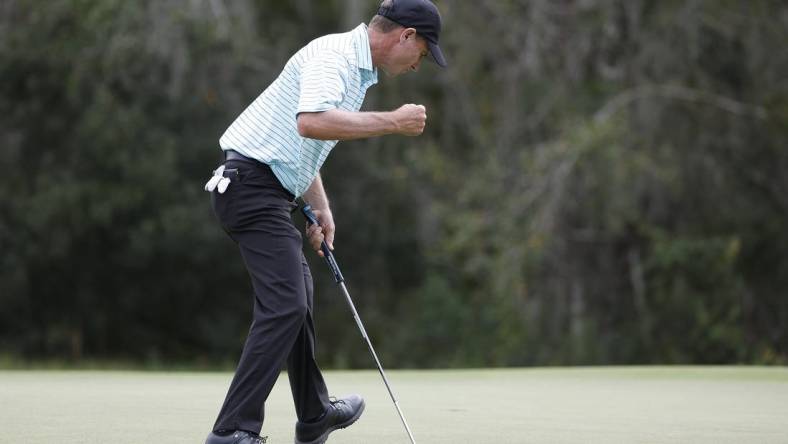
[273, 153]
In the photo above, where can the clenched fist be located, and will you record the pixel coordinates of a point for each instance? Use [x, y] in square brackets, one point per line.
[410, 119]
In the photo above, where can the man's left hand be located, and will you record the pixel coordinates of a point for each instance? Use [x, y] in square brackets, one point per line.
[324, 232]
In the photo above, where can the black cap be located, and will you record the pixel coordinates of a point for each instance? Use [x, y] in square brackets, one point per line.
[421, 15]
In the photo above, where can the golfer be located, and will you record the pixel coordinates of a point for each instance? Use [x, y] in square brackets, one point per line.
[273, 152]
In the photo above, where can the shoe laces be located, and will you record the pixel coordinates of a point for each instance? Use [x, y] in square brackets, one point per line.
[334, 401]
[255, 439]
[340, 405]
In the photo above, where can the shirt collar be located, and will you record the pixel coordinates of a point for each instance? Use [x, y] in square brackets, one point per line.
[363, 51]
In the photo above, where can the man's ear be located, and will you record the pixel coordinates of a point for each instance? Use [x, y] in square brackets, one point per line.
[407, 33]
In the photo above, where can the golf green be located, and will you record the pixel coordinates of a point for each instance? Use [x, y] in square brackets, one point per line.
[542, 405]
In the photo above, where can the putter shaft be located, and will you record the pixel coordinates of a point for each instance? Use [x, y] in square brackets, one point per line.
[332, 264]
[377, 361]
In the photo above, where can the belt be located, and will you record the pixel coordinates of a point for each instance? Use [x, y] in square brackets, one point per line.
[235, 155]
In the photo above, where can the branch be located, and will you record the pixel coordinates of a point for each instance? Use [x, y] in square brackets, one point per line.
[674, 92]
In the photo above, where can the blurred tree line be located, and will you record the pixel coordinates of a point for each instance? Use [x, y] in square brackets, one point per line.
[600, 181]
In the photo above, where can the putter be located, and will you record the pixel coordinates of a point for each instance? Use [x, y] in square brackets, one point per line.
[332, 263]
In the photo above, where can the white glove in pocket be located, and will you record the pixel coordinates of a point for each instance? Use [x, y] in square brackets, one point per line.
[218, 182]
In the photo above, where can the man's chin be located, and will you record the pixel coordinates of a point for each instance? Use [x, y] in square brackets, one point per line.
[394, 74]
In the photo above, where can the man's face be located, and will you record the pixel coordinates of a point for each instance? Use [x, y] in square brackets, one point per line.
[407, 54]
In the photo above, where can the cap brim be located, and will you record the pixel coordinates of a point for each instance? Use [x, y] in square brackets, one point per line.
[437, 54]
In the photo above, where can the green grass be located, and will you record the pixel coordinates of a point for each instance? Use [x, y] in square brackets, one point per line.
[543, 405]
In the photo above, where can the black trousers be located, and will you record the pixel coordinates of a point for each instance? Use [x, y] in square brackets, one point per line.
[255, 212]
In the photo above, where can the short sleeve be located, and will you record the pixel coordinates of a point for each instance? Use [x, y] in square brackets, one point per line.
[323, 82]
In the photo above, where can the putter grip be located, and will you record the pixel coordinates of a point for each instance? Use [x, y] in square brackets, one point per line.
[332, 263]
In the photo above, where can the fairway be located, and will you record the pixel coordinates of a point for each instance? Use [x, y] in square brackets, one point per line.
[543, 405]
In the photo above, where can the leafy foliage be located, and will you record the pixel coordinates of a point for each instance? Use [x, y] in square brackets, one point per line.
[600, 182]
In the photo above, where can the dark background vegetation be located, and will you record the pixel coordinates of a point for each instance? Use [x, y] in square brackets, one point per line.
[600, 182]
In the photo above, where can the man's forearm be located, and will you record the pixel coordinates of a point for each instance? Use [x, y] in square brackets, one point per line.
[337, 124]
[315, 195]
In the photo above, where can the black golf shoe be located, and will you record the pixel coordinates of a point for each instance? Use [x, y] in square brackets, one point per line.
[339, 415]
[236, 437]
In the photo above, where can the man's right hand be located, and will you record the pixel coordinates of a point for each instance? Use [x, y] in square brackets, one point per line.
[410, 119]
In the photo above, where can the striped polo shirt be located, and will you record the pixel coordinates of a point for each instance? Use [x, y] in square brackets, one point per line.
[330, 72]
